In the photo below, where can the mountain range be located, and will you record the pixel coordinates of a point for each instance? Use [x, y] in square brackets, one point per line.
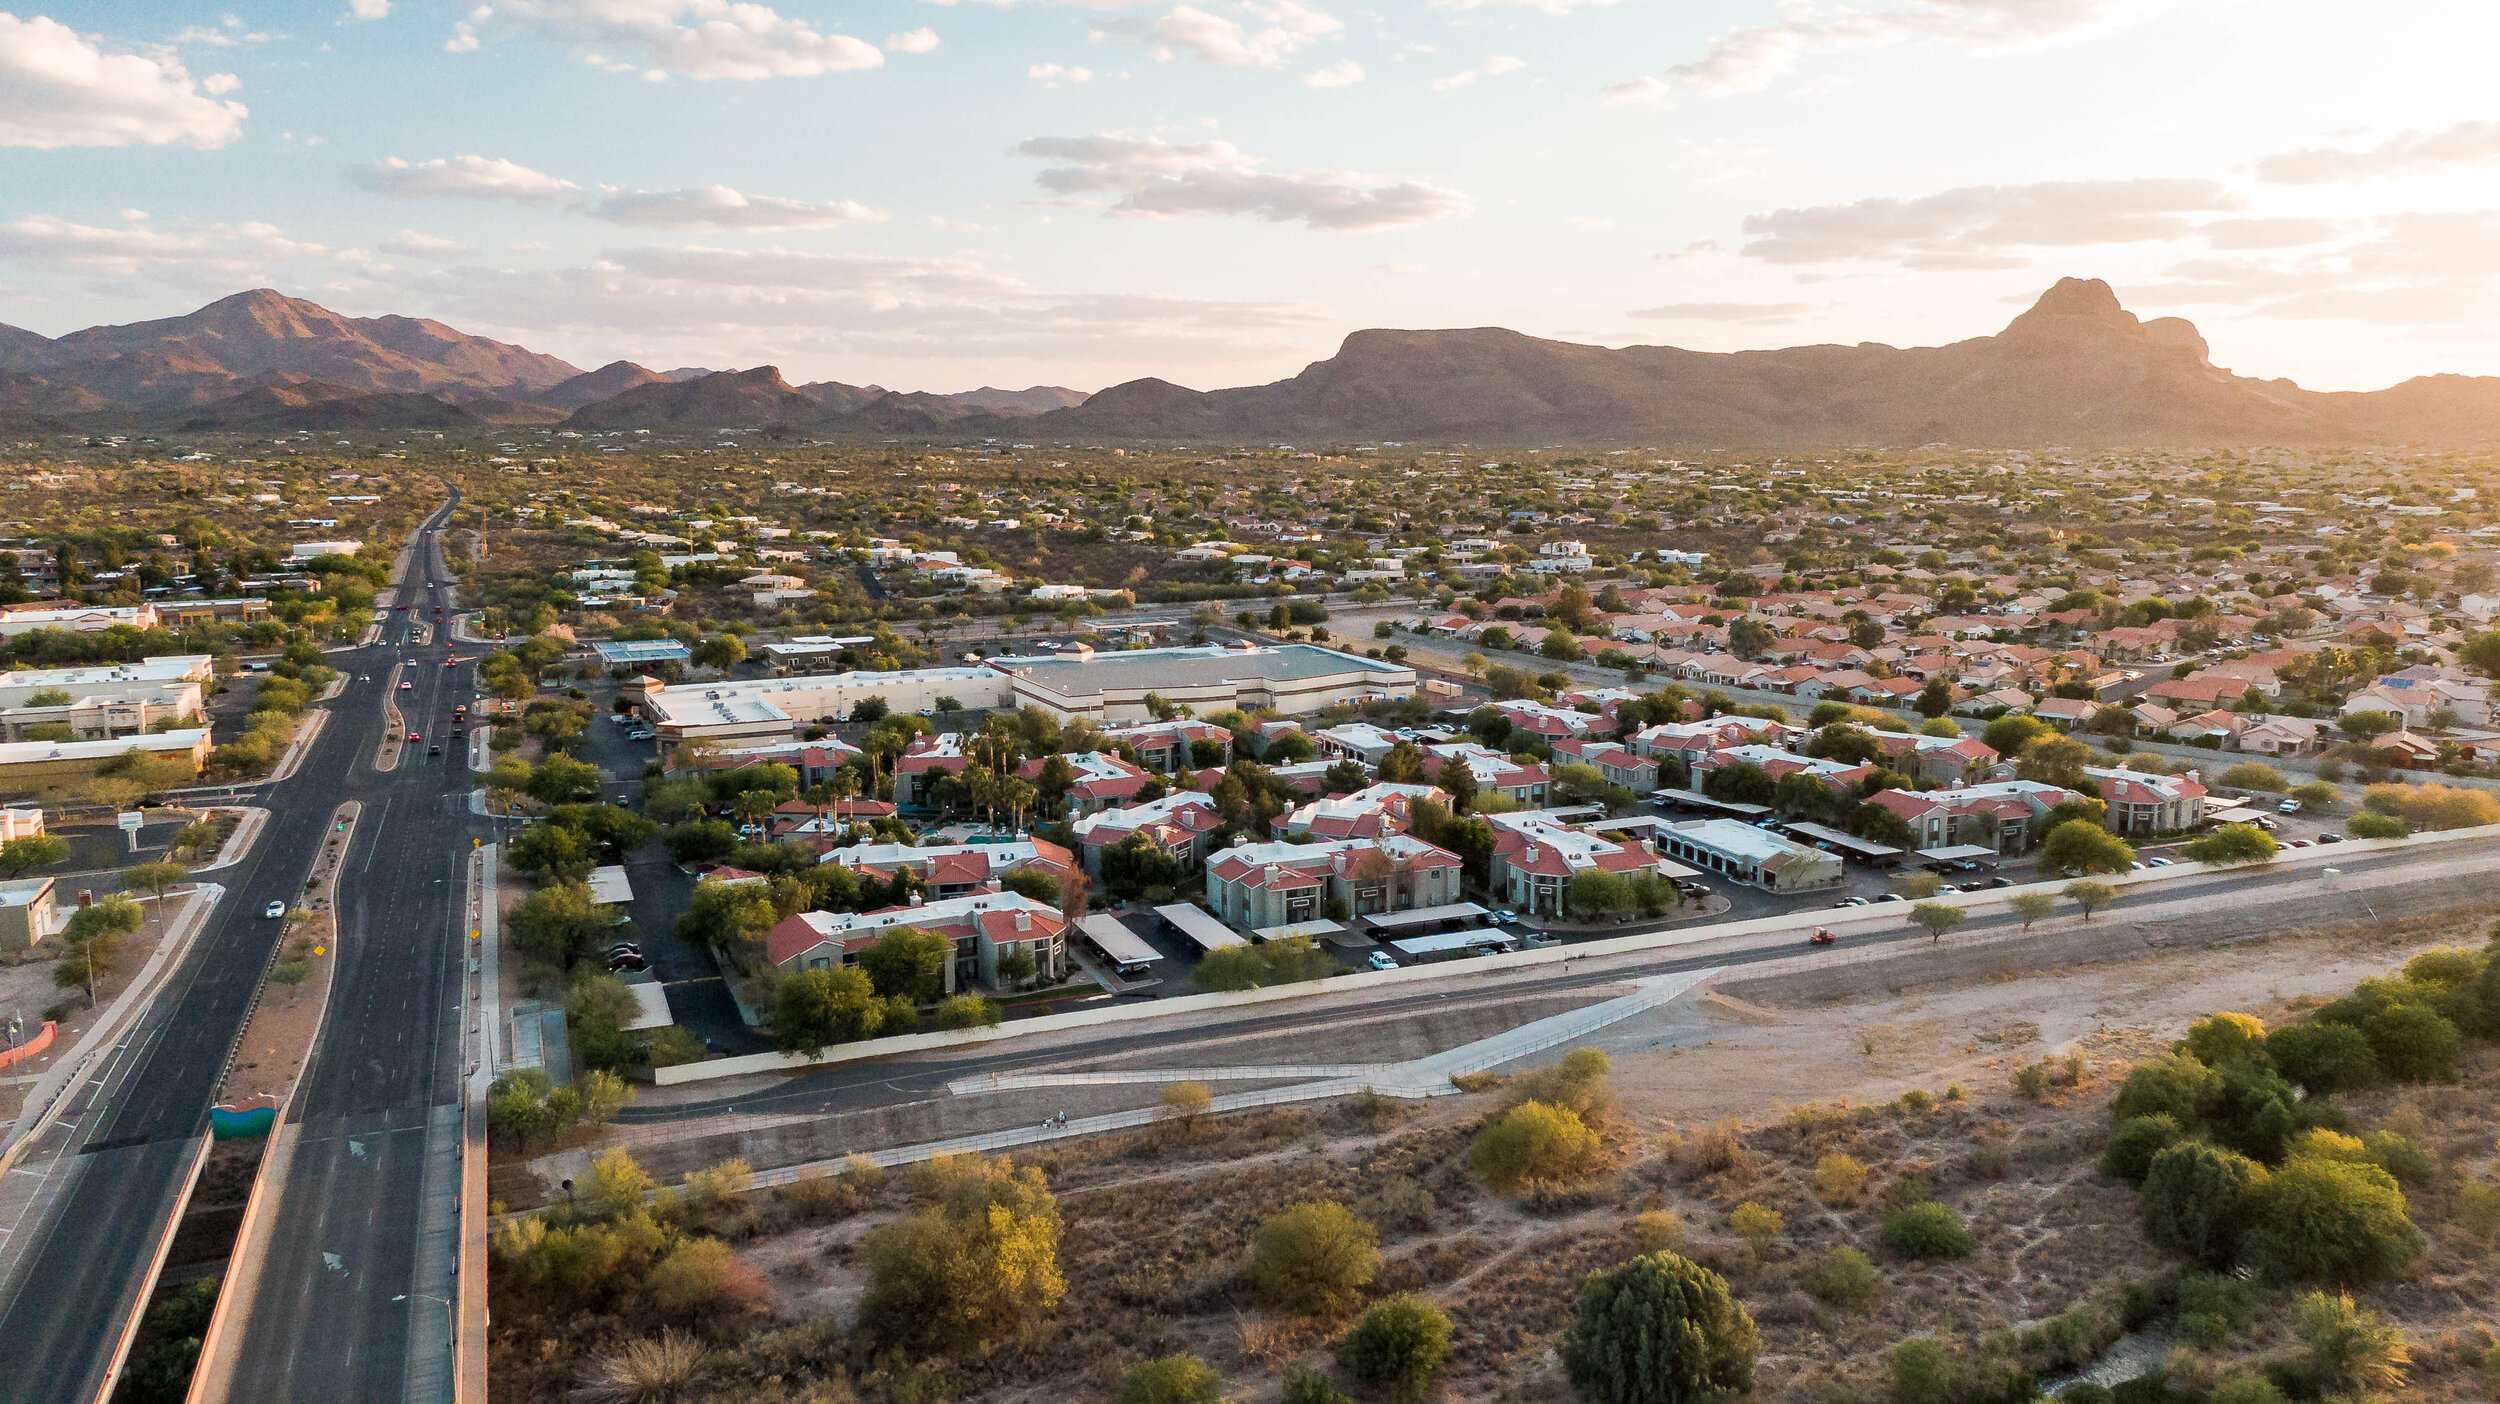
[2076, 368]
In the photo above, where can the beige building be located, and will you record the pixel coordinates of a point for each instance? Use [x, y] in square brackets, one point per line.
[123, 699]
[32, 767]
[26, 914]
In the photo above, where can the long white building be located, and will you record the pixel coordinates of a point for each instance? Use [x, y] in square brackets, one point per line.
[761, 708]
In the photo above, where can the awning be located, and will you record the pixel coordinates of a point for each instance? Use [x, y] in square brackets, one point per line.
[1425, 916]
[1312, 929]
[1194, 923]
[1824, 833]
[650, 1005]
[1125, 947]
[1448, 941]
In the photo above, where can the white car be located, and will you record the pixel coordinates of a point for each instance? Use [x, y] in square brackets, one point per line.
[274, 910]
[1382, 960]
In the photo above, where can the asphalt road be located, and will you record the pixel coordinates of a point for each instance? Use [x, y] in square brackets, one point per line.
[340, 1309]
[137, 1122]
[890, 1081]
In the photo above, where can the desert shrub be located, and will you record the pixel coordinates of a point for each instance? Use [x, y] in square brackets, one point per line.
[2253, 1110]
[2218, 1037]
[2329, 1221]
[1172, 1379]
[1714, 1149]
[700, 1275]
[2414, 1043]
[1397, 1346]
[2223, 1299]
[970, 1269]
[1657, 1230]
[2031, 1081]
[2323, 1057]
[2366, 825]
[1927, 1230]
[2445, 965]
[1577, 1084]
[1307, 1386]
[2195, 1201]
[2133, 1145]
[709, 1188]
[1659, 1330]
[2478, 1208]
[1845, 1278]
[1840, 1178]
[1314, 1257]
[2351, 1351]
[1401, 1203]
[1922, 1371]
[2175, 1085]
[1533, 1143]
[1759, 1225]
[2401, 1156]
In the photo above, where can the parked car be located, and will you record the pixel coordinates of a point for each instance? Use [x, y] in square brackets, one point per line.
[2330, 838]
[625, 962]
[1891, 897]
[2157, 863]
[1382, 960]
[2289, 806]
[2000, 881]
[1506, 918]
[274, 910]
[2297, 843]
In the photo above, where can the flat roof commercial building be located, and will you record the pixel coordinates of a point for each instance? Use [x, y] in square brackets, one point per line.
[778, 708]
[1754, 857]
[1112, 687]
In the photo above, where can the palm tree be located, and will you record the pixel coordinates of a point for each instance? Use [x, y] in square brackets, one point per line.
[1018, 795]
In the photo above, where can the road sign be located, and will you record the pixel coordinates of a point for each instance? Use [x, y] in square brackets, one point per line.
[131, 821]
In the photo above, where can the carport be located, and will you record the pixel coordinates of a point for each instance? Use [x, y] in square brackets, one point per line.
[1194, 923]
[1874, 855]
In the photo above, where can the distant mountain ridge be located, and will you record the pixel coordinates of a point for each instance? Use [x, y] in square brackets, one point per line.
[2075, 368]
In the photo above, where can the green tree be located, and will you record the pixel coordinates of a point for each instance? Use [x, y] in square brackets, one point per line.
[2324, 1058]
[1397, 1346]
[560, 779]
[1315, 1257]
[816, 1008]
[2011, 734]
[2368, 825]
[981, 1264]
[968, 1011]
[1403, 765]
[2059, 761]
[1458, 781]
[2414, 1043]
[192, 841]
[2079, 847]
[2089, 895]
[1185, 1102]
[907, 963]
[92, 943]
[1659, 1330]
[1933, 700]
[1171, 1379]
[2030, 906]
[1937, 918]
[1533, 1143]
[2324, 1220]
[559, 924]
[155, 879]
[2196, 1201]
[2254, 775]
[729, 917]
[2232, 844]
[1595, 892]
[1136, 865]
[18, 855]
[2134, 1143]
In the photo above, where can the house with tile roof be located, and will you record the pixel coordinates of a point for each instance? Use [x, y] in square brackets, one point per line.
[1260, 886]
[983, 928]
[2142, 803]
[2013, 810]
[1181, 824]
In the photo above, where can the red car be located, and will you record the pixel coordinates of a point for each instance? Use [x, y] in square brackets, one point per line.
[414, 737]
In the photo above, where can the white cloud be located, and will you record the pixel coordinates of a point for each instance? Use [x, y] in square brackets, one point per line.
[1985, 226]
[1189, 33]
[1493, 67]
[1751, 57]
[1341, 74]
[912, 41]
[1640, 92]
[1588, 224]
[58, 88]
[220, 84]
[2269, 233]
[1052, 75]
[717, 207]
[734, 39]
[408, 243]
[1551, 7]
[2416, 271]
[1160, 180]
[215, 258]
[2405, 153]
[1757, 312]
[465, 177]
[365, 10]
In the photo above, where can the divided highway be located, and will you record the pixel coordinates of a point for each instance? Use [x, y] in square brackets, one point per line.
[122, 1157]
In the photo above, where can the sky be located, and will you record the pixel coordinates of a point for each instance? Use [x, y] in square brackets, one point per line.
[939, 194]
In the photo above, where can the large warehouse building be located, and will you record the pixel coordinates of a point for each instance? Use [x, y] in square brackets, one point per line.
[1111, 687]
